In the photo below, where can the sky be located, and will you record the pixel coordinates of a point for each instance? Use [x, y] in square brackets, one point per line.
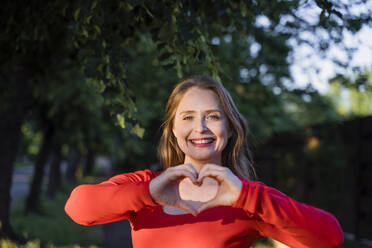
[309, 67]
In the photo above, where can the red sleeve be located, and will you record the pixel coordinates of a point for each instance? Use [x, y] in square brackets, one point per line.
[118, 198]
[295, 224]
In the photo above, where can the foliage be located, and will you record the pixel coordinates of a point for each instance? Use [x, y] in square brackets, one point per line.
[99, 37]
[36, 244]
[130, 51]
[267, 108]
[309, 107]
[55, 229]
[352, 94]
[30, 143]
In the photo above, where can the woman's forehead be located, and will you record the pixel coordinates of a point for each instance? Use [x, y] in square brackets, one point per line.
[196, 99]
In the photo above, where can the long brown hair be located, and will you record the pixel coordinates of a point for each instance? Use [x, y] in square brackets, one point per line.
[236, 154]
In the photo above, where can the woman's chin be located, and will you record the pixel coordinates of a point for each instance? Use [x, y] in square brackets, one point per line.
[201, 159]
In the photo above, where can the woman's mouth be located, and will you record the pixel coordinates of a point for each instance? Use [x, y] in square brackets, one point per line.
[202, 142]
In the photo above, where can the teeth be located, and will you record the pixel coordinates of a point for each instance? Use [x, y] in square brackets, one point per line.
[202, 141]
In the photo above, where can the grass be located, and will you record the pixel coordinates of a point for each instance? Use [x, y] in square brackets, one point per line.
[259, 245]
[53, 230]
[262, 243]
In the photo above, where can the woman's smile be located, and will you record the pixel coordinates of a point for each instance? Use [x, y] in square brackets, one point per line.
[202, 142]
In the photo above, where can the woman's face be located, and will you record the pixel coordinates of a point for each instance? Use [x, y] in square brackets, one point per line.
[201, 127]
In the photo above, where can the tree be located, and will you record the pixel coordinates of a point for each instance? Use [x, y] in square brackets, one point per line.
[352, 94]
[13, 115]
[71, 107]
[33, 199]
[43, 40]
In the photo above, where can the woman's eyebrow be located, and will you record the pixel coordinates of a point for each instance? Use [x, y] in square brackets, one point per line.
[187, 112]
[206, 111]
[213, 110]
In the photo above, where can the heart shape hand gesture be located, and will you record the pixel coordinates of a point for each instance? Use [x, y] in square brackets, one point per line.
[182, 187]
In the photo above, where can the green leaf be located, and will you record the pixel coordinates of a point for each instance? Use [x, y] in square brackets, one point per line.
[94, 4]
[101, 87]
[85, 32]
[121, 120]
[137, 130]
[76, 14]
[243, 9]
[64, 9]
[98, 29]
[89, 19]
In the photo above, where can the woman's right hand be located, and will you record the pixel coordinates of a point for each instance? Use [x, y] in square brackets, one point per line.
[164, 188]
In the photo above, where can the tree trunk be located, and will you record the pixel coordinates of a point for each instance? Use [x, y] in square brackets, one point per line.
[54, 177]
[89, 162]
[33, 203]
[10, 137]
[74, 157]
[14, 101]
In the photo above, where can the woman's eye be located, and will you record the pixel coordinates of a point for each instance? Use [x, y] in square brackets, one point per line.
[186, 118]
[214, 117]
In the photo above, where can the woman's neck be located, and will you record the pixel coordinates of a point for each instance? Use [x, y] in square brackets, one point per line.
[198, 164]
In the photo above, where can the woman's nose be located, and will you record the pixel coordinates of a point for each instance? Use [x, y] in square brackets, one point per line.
[200, 125]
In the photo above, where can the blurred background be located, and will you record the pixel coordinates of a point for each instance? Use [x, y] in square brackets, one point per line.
[83, 87]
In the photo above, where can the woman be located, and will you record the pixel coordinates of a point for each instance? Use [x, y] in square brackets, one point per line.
[203, 149]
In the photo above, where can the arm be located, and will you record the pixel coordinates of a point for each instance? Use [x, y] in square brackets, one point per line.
[282, 218]
[116, 199]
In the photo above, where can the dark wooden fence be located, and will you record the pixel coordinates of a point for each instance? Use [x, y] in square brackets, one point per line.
[328, 166]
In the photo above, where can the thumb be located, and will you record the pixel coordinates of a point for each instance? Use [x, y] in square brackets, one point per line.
[206, 205]
[187, 207]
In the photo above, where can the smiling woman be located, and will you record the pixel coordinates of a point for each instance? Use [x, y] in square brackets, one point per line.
[205, 196]
[203, 101]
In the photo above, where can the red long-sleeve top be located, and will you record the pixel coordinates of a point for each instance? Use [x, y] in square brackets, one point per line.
[260, 211]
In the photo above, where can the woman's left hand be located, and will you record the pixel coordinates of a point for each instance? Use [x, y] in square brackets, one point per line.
[229, 186]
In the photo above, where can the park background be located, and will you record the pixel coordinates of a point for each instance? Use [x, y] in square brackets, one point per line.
[84, 86]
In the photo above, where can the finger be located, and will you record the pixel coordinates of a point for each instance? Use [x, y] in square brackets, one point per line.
[194, 171]
[212, 167]
[181, 173]
[207, 205]
[188, 167]
[192, 168]
[188, 208]
[218, 174]
[230, 185]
